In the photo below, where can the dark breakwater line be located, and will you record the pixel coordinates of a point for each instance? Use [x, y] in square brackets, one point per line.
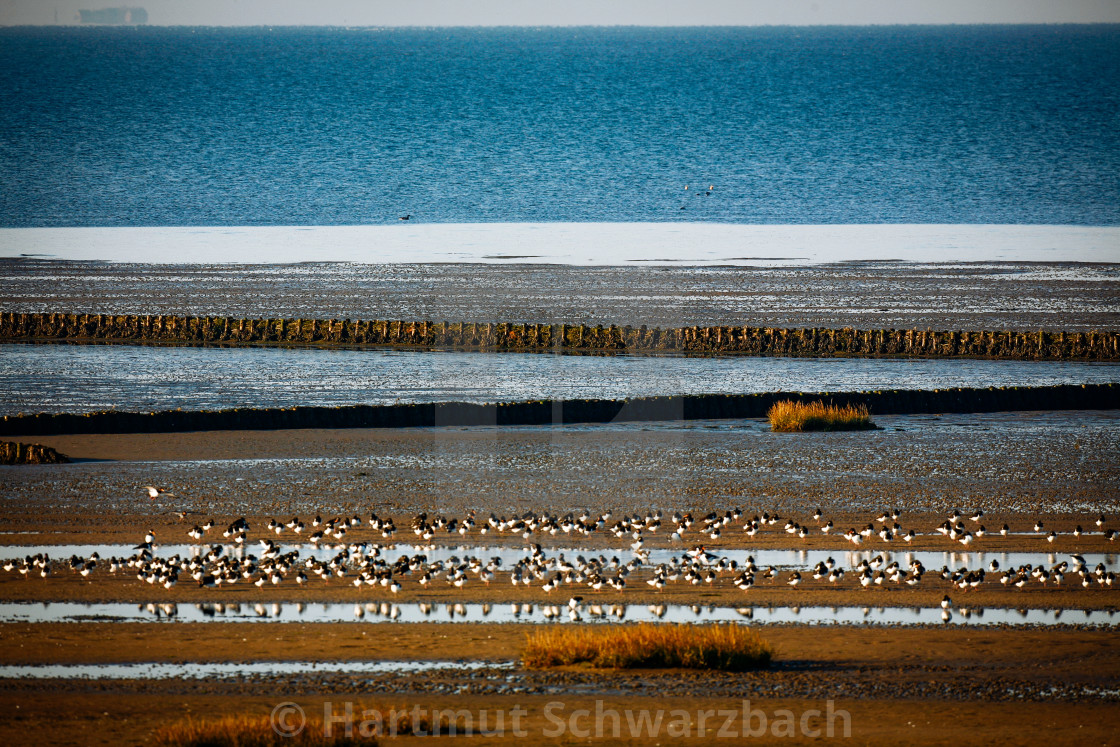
[562, 338]
[556, 412]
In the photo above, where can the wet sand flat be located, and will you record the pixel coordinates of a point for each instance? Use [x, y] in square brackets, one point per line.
[900, 684]
[891, 682]
[866, 295]
[104, 717]
[1067, 651]
[1015, 466]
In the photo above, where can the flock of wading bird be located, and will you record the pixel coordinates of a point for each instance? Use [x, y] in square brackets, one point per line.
[362, 565]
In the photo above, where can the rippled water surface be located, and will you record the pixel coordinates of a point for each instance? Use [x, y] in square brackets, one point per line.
[75, 378]
[328, 126]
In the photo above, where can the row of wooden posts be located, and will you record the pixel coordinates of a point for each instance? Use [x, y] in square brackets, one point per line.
[565, 338]
[12, 452]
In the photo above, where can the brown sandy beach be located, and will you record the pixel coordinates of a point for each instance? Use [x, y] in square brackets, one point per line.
[1016, 467]
[896, 682]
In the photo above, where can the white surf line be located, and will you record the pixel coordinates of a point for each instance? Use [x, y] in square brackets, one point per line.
[580, 244]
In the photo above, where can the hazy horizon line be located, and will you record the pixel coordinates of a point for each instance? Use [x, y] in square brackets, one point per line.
[557, 26]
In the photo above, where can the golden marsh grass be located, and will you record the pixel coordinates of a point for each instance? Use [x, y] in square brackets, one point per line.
[794, 417]
[723, 647]
[249, 731]
[246, 730]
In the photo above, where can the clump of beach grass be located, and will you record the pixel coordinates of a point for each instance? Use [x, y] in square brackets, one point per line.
[298, 729]
[255, 731]
[722, 647]
[794, 417]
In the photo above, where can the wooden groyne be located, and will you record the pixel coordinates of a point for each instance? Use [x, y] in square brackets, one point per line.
[562, 338]
[546, 412]
[17, 453]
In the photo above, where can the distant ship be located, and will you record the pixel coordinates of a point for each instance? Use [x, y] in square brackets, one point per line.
[114, 16]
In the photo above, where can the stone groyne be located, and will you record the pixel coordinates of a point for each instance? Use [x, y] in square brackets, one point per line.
[563, 338]
[17, 453]
[546, 412]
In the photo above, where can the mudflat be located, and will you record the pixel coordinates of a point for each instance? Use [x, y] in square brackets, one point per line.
[898, 684]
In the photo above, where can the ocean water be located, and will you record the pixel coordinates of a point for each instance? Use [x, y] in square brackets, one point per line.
[988, 125]
[906, 177]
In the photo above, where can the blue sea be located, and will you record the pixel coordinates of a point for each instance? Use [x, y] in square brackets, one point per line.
[907, 177]
[322, 127]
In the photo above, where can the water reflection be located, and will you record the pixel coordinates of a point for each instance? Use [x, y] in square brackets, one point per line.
[574, 611]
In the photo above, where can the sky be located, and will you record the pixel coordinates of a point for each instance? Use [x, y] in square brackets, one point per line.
[572, 12]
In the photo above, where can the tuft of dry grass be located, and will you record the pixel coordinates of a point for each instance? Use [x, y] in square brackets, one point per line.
[254, 731]
[724, 647]
[245, 730]
[793, 417]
